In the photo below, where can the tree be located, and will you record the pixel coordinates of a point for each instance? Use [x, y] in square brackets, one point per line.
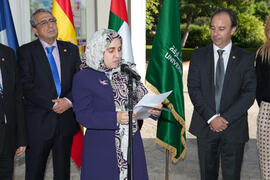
[250, 31]
[262, 10]
[152, 13]
[189, 10]
[199, 13]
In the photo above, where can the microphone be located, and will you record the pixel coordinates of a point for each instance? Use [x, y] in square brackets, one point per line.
[125, 68]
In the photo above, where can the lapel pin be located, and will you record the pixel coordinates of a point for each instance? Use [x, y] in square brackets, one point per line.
[103, 82]
[65, 50]
[3, 59]
[233, 57]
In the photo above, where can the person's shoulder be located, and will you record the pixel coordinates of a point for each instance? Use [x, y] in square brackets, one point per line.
[29, 45]
[87, 73]
[242, 51]
[8, 53]
[6, 49]
[66, 44]
[202, 52]
[204, 49]
[87, 77]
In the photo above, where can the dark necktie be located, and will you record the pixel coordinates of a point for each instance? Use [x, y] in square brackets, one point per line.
[219, 79]
[54, 70]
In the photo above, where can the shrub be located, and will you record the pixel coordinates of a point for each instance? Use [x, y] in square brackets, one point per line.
[202, 21]
[187, 52]
[198, 35]
[250, 32]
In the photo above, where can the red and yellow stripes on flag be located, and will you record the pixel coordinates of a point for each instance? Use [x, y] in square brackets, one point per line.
[63, 13]
[66, 32]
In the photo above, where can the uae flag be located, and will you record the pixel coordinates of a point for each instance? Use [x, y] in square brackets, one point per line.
[66, 32]
[164, 73]
[118, 21]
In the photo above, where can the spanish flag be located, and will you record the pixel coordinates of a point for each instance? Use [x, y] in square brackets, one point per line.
[63, 13]
[66, 32]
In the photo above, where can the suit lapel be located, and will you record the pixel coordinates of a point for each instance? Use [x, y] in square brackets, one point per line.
[63, 56]
[42, 60]
[4, 70]
[232, 63]
[211, 73]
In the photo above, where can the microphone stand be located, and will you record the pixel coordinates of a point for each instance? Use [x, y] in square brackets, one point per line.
[130, 135]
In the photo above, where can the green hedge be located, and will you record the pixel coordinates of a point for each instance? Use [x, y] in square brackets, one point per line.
[199, 36]
[250, 33]
[187, 52]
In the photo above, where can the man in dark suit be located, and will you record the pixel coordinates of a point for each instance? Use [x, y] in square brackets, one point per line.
[47, 68]
[221, 84]
[12, 124]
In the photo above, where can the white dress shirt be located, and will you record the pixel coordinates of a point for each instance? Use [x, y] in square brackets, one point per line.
[225, 55]
[56, 57]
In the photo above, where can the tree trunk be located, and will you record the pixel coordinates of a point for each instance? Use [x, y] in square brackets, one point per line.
[185, 36]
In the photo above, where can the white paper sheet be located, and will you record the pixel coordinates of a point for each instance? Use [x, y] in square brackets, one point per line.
[149, 101]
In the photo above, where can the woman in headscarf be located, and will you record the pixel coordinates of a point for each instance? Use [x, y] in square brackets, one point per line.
[263, 99]
[100, 95]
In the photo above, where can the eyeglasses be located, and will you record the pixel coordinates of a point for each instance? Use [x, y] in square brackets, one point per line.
[45, 22]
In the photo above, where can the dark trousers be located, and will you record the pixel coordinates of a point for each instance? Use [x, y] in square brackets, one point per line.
[6, 168]
[216, 148]
[37, 155]
[6, 156]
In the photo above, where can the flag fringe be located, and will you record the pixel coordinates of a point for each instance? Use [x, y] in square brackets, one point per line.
[172, 149]
[181, 122]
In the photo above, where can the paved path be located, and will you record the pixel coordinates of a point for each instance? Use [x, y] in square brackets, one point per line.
[187, 169]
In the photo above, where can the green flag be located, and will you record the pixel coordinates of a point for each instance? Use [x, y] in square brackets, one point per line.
[164, 73]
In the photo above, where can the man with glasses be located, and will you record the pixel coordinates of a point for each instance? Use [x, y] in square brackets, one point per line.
[47, 68]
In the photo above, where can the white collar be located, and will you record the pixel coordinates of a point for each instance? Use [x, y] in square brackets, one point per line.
[44, 44]
[226, 49]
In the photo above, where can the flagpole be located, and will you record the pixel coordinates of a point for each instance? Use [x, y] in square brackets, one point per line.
[167, 165]
[129, 13]
[130, 134]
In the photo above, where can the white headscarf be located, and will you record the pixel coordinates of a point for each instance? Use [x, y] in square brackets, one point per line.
[97, 45]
